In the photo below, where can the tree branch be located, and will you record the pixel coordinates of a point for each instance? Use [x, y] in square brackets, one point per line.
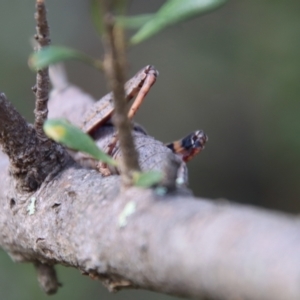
[33, 156]
[174, 244]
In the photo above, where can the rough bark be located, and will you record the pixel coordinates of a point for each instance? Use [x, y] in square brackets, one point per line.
[173, 243]
[41, 88]
[31, 159]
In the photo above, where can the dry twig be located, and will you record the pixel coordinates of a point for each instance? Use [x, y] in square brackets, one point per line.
[114, 66]
[41, 89]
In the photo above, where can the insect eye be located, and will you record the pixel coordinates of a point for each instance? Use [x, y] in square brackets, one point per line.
[194, 139]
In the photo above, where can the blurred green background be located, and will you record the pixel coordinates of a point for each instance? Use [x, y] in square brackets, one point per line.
[233, 73]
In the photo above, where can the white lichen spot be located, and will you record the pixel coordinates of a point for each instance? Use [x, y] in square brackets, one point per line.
[31, 206]
[161, 191]
[86, 176]
[128, 210]
[180, 180]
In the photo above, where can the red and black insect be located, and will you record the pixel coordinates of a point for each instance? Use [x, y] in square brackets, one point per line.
[190, 145]
[152, 153]
[139, 86]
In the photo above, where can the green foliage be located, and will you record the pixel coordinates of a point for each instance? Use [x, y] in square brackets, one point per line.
[147, 179]
[69, 135]
[134, 22]
[97, 16]
[172, 12]
[53, 54]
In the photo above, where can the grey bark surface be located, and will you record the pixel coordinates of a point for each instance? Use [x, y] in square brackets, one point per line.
[174, 243]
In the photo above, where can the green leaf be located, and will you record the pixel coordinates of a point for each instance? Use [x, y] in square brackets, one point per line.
[54, 54]
[134, 22]
[71, 136]
[97, 16]
[174, 11]
[147, 179]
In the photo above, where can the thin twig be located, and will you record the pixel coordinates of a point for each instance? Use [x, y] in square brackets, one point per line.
[114, 66]
[34, 158]
[42, 79]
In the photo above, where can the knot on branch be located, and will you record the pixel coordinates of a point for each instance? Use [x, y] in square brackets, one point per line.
[31, 159]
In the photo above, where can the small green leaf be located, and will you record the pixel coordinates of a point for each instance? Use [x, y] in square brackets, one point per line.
[54, 54]
[71, 136]
[147, 179]
[174, 11]
[134, 22]
[97, 16]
